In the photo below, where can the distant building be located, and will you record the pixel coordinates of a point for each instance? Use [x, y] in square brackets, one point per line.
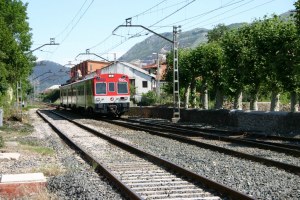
[84, 68]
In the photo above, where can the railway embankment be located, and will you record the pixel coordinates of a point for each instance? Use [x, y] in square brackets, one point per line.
[260, 121]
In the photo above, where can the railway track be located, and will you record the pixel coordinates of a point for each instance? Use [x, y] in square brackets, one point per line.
[195, 138]
[289, 142]
[138, 174]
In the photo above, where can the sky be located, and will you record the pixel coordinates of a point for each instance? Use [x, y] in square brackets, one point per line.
[90, 24]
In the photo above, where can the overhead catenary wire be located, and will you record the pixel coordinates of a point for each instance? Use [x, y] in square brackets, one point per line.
[69, 24]
[139, 34]
[230, 15]
[188, 20]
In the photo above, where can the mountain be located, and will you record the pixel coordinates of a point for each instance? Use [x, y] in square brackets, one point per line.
[48, 73]
[154, 44]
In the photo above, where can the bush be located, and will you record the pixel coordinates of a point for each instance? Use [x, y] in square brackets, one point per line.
[52, 96]
[148, 99]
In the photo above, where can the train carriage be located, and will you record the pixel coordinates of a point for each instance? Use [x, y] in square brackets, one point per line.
[107, 94]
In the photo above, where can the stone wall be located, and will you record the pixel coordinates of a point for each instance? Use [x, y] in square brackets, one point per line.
[273, 122]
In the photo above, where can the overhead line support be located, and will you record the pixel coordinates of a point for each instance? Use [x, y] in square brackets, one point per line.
[176, 95]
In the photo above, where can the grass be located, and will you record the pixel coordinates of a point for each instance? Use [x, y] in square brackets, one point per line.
[49, 170]
[1, 142]
[37, 148]
[14, 128]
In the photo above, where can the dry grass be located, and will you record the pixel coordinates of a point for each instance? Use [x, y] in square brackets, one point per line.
[49, 170]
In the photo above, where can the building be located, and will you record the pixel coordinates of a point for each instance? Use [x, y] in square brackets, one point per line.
[84, 68]
[140, 79]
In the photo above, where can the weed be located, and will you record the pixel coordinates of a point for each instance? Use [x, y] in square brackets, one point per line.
[45, 151]
[1, 142]
[49, 170]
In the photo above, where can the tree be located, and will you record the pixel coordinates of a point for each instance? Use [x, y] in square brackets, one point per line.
[234, 69]
[277, 43]
[185, 72]
[216, 34]
[15, 38]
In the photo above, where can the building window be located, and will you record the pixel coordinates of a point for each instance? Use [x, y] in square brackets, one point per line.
[145, 84]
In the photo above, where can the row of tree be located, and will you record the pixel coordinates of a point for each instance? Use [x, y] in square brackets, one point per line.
[258, 59]
[15, 42]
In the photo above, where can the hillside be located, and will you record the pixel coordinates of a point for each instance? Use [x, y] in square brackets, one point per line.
[156, 44]
[42, 78]
[153, 44]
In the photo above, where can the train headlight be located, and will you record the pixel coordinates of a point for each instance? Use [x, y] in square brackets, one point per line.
[97, 99]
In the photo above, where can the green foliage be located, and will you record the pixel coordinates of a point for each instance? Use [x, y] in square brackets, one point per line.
[257, 58]
[15, 39]
[36, 147]
[217, 33]
[51, 96]
[1, 142]
[132, 91]
[150, 98]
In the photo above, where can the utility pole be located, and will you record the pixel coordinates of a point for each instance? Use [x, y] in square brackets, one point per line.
[176, 96]
[19, 85]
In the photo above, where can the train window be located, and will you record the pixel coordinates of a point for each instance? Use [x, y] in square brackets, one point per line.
[122, 88]
[111, 87]
[100, 88]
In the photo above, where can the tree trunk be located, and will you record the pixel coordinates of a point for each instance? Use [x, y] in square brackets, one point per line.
[193, 93]
[238, 101]
[219, 99]
[187, 96]
[204, 99]
[253, 102]
[275, 101]
[294, 106]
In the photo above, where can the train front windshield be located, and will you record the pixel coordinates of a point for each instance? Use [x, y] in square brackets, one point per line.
[100, 88]
[122, 88]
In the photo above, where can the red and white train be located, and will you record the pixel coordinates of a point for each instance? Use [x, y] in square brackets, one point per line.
[107, 94]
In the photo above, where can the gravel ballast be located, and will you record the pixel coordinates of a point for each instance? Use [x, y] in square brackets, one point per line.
[249, 177]
[77, 179]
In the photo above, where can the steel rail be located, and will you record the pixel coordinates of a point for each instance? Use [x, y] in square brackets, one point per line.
[130, 193]
[288, 167]
[229, 132]
[187, 132]
[160, 161]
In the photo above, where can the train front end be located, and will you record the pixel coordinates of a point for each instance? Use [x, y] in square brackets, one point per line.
[111, 94]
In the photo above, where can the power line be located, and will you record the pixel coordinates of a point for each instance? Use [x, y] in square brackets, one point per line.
[77, 21]
[135, 16]
[232, 15]
[71, 20]
[210, 11]
[72, 28]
